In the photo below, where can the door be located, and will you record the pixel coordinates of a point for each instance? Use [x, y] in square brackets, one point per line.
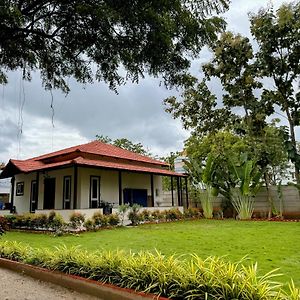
[49, 193]
[138, 196]
[94, 191]
[33, 196]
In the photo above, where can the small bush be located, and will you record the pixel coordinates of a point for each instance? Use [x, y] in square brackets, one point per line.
[158, 215]
[77, 219]
[100, 220]
[55, 221]
[89, 225]
[146, 215]
[3, 225]
[113, 219]
[173, 214]
[122, 209]
[11, 220]
[134, 215]
[39, 221]
[192, 212]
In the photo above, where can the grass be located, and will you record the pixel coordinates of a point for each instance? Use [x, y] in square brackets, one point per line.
[271, 244]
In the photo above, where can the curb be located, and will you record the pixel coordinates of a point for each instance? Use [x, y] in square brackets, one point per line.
[82, 285]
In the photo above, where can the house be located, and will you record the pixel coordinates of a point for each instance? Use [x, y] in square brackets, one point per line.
[89, 177]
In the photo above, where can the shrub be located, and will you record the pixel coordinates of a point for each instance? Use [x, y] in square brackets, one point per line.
[55, 221]
[173, 214]
[146, 215]
[192, 212]
[206, 198]
[3, 225]
[158, 215]
[39, 221]
[76, 219]
[100, 219]
[133, 215]
[113, 219]
[11, 220]
[89, 224]
[122, 209]
[193, 278]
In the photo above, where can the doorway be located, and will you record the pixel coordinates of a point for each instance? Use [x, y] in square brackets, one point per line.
[49, 193]
[138, 196]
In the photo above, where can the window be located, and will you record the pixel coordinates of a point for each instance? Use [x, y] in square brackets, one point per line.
[20, 189]
[67, 192]
[94, 191]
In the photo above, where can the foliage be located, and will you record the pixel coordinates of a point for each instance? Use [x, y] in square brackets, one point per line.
[62, 39]
[89, 225]
[133, 214]
[113, 219]
[145, 215]
[166, 180]
[212, 278]
[157, 215]
[192, 212]
[122, 210]
[3, 225]
[243, 204]
[206, 198]
[124, 143]
[277, 35]
[36, 221]
[247, 102]
[173, 214]
[77, 219]
[99, 219]
[55, 221]
[247, 176]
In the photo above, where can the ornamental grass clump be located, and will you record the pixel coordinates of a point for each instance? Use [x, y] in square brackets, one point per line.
[206, 198]
[174, 277]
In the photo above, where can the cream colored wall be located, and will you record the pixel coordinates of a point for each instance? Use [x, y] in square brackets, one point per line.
[59, 183]
[109, 186]
[22, 203]
[143, 181]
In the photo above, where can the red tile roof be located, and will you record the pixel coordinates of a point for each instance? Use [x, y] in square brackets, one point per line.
[95, 154]
[124, 166]
[99, 148]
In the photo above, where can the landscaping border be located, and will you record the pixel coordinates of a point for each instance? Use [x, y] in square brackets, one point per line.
[76, 283]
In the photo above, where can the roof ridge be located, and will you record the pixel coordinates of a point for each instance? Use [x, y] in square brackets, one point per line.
[99, 148]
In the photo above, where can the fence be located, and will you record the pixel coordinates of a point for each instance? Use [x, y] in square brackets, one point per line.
[290, 203]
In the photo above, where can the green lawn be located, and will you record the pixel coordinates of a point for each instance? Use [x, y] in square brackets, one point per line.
[271, 244]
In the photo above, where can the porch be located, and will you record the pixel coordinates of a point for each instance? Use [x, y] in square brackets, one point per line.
[86, 189]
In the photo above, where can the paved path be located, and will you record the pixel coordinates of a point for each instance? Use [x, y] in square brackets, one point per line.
[16, 286]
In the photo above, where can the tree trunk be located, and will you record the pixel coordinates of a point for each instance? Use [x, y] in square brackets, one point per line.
[293, 140]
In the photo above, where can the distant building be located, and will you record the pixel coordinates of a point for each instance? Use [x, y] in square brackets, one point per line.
[5, 187]
[179, 164]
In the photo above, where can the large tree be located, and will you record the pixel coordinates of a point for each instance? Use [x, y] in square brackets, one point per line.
[246, 101]
[278, 58]
[124, 39]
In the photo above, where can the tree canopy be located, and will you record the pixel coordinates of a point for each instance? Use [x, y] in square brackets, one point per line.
[124, 39]
[126, 144]
[247, 100]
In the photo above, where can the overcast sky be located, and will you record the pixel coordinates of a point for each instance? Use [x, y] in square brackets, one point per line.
[136, 113]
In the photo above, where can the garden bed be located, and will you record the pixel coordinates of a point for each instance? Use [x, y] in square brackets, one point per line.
[76, 283]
